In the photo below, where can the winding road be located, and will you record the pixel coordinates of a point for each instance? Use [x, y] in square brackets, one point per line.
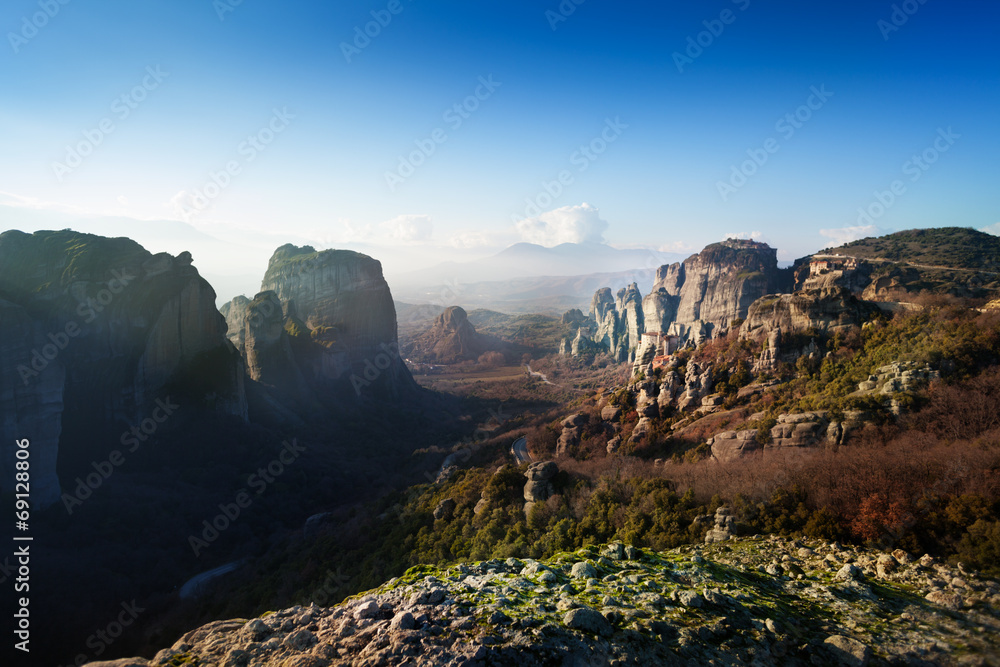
[193, 585]
[536, 374]
[520, 450]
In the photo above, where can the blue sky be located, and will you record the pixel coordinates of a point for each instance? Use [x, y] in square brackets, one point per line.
[227, 72]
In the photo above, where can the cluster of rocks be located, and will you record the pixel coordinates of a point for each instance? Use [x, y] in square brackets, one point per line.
[799, 430]
[539, 487]
[898, 376]
[824, 311]
[739, 601]
[694, 300]
[572, 431]
[724, 528]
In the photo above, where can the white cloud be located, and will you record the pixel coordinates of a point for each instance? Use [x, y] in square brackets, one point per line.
[748, 236]
[123, 200]
[842, 235]
[409, 228]
[569, 224]
[992, 229]
[676, 247]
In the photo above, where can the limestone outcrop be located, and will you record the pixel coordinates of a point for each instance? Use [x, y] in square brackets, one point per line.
[694, 300]
[570, 436]
[620, 322]
[824, 311]
[337, 325]
[725, 526]
[539, 487]
[609, 604]
[95, 330]
[719, 284]
[454, 338]
[729, 446]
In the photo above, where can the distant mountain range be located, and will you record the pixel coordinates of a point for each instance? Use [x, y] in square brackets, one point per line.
[531, 278]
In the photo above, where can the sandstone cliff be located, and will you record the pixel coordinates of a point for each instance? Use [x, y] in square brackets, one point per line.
[93, 332]
[325, 319]
[453, 337]
[717, 286]
[824, 312]
[620, 321]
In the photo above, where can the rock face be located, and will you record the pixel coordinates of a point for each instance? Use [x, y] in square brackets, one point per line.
[570, 436]
[580, 346]
[539, 485]
[30, 410]
[605, 605]
[95, 331]
[725, 526]
[267, 347]
[693, 300]
[456, 338]
[337, 323]
[824, 311]
[731, 445]
[718, 285]
[620, 322]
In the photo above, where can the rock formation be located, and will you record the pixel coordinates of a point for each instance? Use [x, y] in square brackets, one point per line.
[332, 314]
[570, 436]
[615, 604]
[94, 331]
[694, 300]
[539, 488]
[718, 285]
[620, 322]
[725, 526]
[731, 445]
[825, 312]
[454, 338]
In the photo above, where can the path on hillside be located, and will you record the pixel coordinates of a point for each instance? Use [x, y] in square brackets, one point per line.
[536, 374]
[193, 585]
[520, 450]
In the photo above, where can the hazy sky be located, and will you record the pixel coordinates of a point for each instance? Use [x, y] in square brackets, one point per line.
[677, 123]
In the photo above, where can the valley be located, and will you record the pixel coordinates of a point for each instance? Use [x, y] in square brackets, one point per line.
[812, 414]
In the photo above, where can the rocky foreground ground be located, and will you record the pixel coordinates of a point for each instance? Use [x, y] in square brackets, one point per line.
[759, 601]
